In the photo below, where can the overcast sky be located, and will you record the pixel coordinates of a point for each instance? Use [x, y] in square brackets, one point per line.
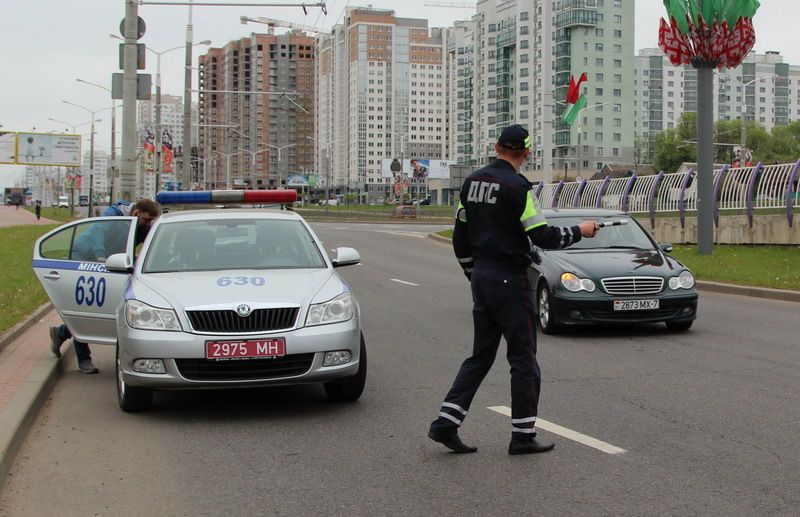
[47, 44]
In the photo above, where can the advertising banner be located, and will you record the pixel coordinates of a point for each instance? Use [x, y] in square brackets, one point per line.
[297, 180]
[419, 169]
[48, 149]
[8, 147]
[149, 158]
[167, 154]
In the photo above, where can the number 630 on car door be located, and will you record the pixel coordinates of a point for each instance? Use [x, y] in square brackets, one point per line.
[70, 264]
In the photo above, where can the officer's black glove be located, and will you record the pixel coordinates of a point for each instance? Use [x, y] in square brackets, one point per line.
[468, 274]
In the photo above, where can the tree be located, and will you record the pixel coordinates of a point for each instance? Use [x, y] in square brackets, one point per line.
[674, 146]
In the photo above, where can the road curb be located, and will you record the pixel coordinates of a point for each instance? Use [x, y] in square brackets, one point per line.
[14, 332]
[715, 287]
[21, 411]
[757, 292]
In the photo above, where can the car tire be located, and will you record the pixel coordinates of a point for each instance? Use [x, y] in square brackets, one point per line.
[543, 310]
[349, 390]
[679, 325]
[131, 399]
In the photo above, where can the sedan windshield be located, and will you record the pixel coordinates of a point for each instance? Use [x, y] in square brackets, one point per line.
[214, 245]
[625, 236]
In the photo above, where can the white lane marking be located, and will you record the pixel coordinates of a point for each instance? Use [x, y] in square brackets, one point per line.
[566, 433]
[403, 282]
[419, 235]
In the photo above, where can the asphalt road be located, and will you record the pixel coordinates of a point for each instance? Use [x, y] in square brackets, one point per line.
[707, 419]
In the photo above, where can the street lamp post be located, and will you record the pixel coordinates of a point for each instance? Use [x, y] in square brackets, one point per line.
[403, 137]
[113, 139]
[91, 150]
[74, 131]
[579, 127]
[279, 149]
[328, 146]
[158, 135]
[743, 117]
[253, 155]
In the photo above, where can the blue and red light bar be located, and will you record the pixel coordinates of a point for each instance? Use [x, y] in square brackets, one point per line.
[226, 196]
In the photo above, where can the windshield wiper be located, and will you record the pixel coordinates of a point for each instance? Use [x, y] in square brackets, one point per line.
[618, 248]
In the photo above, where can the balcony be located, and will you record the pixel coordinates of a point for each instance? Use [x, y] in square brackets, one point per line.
[576, 18]
[507, 37]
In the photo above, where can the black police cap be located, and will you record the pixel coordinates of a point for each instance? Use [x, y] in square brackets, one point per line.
[515, 137]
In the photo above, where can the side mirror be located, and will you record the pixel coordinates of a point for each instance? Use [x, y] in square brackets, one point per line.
[346, 257]
[666, 247]
[120, 262]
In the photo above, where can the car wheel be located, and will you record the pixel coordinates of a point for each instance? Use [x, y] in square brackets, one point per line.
[546, 319]
[131, 399]
[349, 390]
[679, 325]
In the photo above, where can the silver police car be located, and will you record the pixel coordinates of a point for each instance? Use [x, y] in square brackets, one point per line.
[215, 299]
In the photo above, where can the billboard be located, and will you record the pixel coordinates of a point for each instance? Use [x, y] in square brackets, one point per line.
[301, 180]
[8, 147]
[167, 152]
[416, 168]
[48, 149]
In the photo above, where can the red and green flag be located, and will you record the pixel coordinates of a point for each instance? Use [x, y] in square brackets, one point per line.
[576, 101]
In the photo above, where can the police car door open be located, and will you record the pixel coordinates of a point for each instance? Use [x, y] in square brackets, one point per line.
[70, 264]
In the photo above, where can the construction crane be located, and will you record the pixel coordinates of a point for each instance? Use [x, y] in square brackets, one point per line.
[460, 5]
[272, 23]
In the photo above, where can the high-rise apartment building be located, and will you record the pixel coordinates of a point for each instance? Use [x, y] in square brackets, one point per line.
[382, 95]
[763, 89]
[257, 109]
[518, 69]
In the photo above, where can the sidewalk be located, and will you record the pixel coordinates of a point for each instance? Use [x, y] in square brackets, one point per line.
[10, 216]
[27, 373]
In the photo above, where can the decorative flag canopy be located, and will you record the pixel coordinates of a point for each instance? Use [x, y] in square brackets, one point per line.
[720, 32]
[576, 101]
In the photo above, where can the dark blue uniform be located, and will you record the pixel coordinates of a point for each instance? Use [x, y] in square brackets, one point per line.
[496, 221]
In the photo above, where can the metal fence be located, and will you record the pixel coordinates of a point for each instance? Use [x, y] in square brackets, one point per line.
[740, 189]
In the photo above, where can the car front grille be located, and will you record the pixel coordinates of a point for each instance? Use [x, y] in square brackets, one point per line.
[633, 285]
[260, 320]
[244, 369]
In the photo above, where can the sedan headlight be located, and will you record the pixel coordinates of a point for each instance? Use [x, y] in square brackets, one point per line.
[334, 311]
[144, 317]
[683, 281]
[572, 283]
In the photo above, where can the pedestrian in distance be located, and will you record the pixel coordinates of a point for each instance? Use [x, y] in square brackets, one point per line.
[496, 221]
[38, 209]
[95, 245]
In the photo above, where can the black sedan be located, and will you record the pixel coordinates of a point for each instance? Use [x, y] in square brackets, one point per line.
[620, 276]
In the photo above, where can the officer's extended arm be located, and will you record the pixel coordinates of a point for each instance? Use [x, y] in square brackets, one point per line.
[542, 234]
[461, 242]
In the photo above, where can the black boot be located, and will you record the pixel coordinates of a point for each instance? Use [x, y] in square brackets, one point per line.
[451, 440]
[531, 446]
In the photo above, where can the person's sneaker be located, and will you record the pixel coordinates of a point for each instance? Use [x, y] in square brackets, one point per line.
[55, 341]
[531, 446]
[87, 367]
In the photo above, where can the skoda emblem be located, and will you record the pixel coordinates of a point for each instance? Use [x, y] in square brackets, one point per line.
[243, 310]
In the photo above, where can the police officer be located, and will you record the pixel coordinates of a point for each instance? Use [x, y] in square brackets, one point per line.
[496, 221]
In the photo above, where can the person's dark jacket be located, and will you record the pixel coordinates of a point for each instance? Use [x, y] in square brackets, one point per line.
[498, 218]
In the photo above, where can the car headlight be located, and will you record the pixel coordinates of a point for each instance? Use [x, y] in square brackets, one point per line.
[683, 281]
[334, 311]
[572, 283]
[144, 317]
